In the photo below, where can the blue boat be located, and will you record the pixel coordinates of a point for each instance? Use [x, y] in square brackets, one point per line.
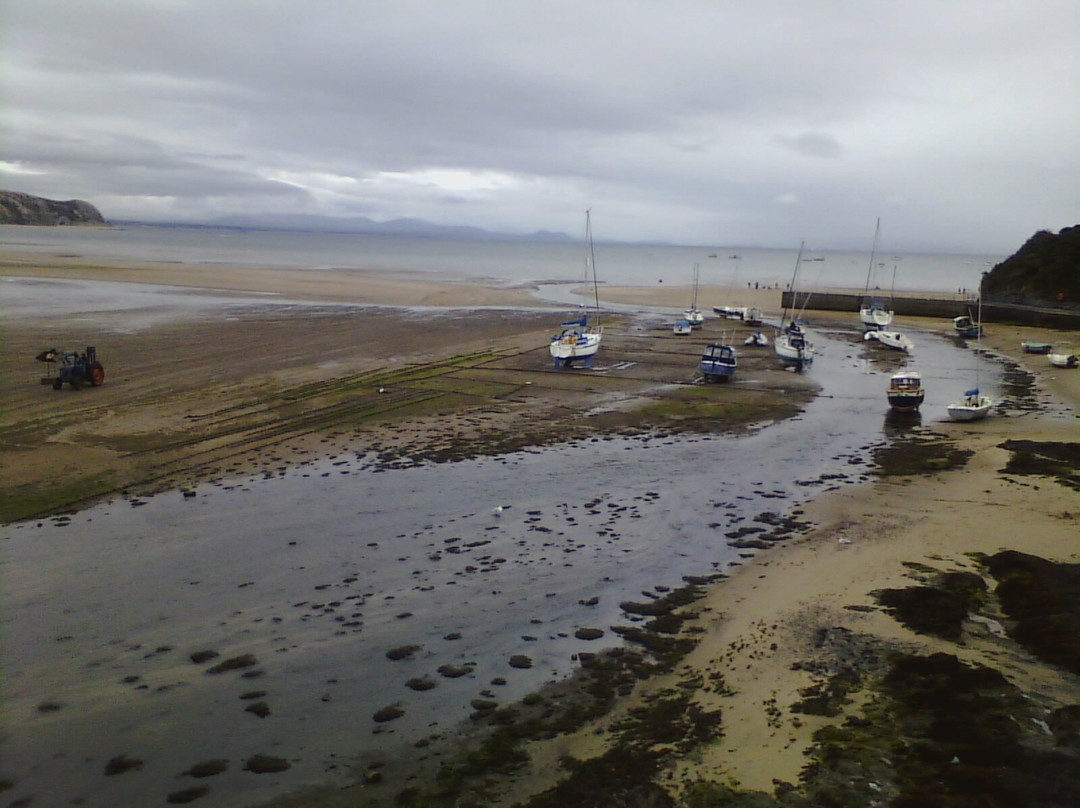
[718, 362]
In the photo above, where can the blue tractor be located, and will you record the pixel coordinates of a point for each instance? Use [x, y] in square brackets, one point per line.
[77, 369]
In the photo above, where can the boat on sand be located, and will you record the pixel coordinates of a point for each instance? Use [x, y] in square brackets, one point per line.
[579, 339]
[906, 393]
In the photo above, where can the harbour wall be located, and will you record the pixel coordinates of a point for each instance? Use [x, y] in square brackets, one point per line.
[944, 307]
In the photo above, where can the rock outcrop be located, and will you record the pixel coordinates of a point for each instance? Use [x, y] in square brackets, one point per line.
[1045, 271]
[19, 208]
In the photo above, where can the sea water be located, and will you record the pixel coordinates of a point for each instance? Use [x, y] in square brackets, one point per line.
[512, 262]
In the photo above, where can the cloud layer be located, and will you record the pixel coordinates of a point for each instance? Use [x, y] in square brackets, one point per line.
[695, 122]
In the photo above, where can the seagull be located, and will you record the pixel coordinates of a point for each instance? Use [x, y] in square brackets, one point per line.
[842, 540]
[497, 510]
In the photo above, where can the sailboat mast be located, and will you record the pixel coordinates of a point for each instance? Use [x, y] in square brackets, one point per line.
[590, 263]
[978, 337]
[794, 276]
[873, 255]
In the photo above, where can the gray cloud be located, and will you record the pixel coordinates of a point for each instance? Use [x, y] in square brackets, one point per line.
[690, 120]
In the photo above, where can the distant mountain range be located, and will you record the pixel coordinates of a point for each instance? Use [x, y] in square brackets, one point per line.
[417, 228]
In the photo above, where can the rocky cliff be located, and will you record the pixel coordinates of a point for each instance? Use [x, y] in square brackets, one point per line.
[18, 208]
[1046, 270]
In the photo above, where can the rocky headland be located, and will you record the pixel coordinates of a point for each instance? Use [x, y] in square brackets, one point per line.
[20, 208]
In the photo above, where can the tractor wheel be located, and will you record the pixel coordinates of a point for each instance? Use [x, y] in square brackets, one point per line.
[56, 385]
[97, 374]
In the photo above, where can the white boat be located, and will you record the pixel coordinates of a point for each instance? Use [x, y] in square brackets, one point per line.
[974, 406]
[873, 313]
[693, 315]
[718, 362]
[579, 339]
[891, 339]
[1062, 357]
[791, 345]
[757, 339]
[966, 327]
[906, 393]
[682, 327]
[748, 314]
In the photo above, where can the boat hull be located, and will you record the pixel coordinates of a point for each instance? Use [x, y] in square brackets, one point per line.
[1064, 360]
[874, 317]
[718, 363]
[570, 346]
[892, 340]
[905, 402]
[970, 408]
[966, 328]
[793, 354]
[1035, 347]
[905, 393]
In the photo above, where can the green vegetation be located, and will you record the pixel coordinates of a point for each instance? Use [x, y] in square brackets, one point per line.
[1045, 270]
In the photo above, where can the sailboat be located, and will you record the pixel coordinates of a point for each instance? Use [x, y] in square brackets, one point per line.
[873, 314]
[579, 339]
[791, 345]
[974, 406]
[693, 315]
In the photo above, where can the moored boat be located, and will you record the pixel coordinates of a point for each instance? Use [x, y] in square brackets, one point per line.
[906, 393]
[1062, 357]
[757, 339]
[693, 314]
[1035, 347]
[792, 347]
[682, 327]
[873, 313]
[579, 339]
[966, 327]
[893, 340]
[974, 406]
[718, 362]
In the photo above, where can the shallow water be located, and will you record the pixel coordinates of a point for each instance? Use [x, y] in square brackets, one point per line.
[319, 570]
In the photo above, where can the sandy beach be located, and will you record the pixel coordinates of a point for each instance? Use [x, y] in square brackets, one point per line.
[779, 629]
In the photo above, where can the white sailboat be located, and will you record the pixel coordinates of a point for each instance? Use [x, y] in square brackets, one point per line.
[973, 406]
[579, 339]
[693, 314]
[894, 340]
[791, 345]
[873, 314]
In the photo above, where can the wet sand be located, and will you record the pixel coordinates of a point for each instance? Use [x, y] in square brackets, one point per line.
[756, 626]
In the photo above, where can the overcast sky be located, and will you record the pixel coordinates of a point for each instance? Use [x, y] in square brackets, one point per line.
[754, 123]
